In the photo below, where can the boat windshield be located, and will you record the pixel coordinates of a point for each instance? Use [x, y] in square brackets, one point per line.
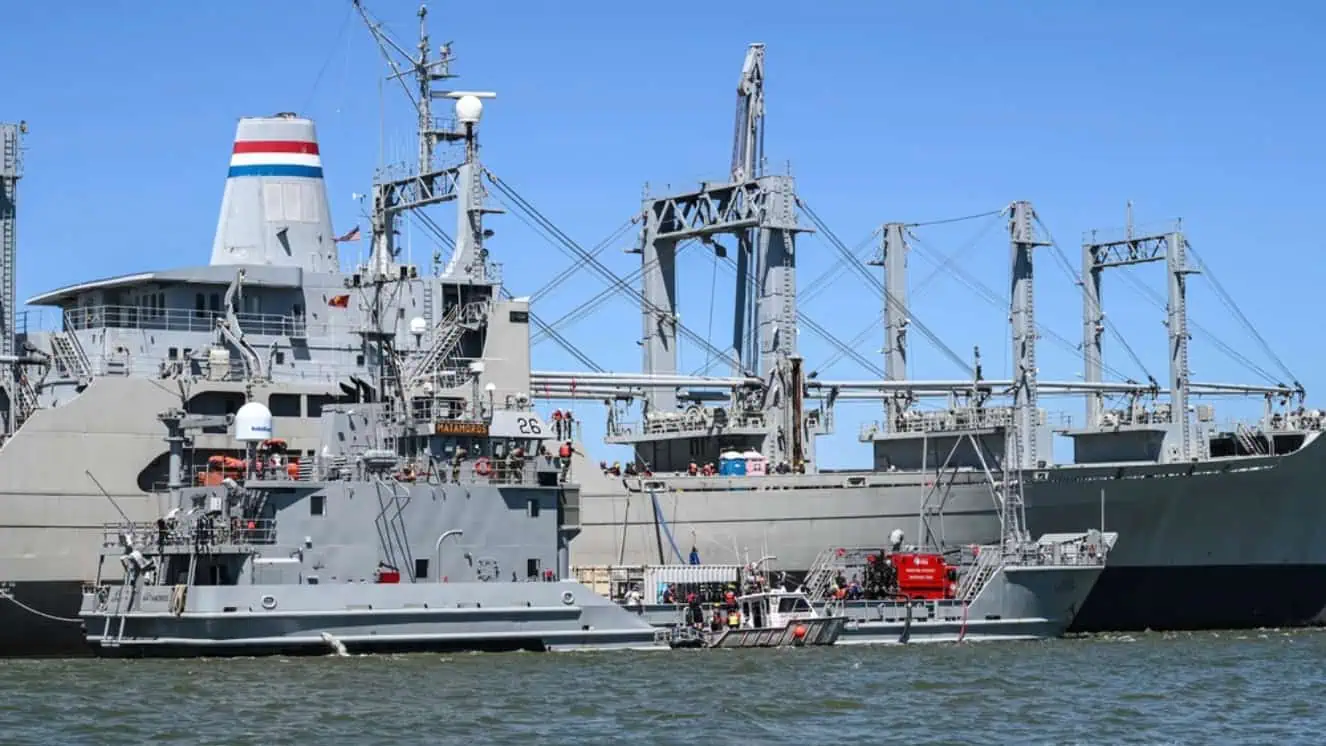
[792, 605]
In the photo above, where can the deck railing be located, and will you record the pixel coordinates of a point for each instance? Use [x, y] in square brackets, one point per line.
[180, 320]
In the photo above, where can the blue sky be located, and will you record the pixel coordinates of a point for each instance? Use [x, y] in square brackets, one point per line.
[1209, 111]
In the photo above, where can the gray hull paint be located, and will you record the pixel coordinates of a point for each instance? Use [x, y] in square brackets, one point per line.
[1019, 603]
[411, 616]
[1210, 523]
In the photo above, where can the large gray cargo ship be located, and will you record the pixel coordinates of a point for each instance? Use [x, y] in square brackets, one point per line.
[1220, 527]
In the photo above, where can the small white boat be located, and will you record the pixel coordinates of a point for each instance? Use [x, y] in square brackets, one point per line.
[767, 619]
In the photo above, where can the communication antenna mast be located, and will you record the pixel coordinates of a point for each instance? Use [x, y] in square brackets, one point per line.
[400, 190]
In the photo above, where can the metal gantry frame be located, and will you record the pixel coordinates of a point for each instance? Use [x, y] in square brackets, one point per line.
[760, 210]
[1170, 247]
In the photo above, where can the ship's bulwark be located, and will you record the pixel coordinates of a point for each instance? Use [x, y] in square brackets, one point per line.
[1232, 543]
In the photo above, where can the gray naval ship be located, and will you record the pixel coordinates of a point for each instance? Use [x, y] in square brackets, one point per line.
[729, 463]
[271, 319]
[349, 552]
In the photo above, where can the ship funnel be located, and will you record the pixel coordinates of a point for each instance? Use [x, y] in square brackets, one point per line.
[274, 210]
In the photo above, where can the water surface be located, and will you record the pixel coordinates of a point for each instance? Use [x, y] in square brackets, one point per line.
[1218, 688]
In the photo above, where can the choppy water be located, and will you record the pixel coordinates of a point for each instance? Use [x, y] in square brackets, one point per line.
[1232, 687]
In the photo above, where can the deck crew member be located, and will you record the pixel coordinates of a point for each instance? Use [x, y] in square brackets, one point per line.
[564, 453]
[456, 457]
[694, 614]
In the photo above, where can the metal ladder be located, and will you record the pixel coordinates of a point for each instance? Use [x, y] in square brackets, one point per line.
[391, 527]
[1248, 442]
[428, 302]
[447, 335]
[987, 564]
[70, 356]
[9, 175]
[27, 399]
[820, 576]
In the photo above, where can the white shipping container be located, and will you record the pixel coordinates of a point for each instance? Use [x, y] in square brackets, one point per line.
[659, 577]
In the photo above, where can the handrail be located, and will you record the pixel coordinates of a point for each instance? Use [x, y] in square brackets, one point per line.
[186, 533]
[179, 319]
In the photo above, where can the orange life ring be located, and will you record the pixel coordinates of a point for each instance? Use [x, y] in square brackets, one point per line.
[481, 466]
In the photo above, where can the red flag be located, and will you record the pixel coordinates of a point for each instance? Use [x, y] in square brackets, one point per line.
[340, 301]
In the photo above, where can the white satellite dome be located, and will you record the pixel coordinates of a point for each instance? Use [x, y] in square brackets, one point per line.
[418, 326]
[469, 109]
[253, 423]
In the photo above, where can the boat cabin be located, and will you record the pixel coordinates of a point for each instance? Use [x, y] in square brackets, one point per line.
[774, 609]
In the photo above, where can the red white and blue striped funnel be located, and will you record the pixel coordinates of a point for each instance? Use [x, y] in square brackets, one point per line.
[274, 210]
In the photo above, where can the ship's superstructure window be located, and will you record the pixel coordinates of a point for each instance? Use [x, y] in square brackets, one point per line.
[316, 403]
[532, 508]
[533, 567]
[317, 505]
[216, 402]
[173, 353]
[421, 568]
[284, 405]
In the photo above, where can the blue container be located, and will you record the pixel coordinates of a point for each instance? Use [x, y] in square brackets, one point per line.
[737, 467]
[725, 467]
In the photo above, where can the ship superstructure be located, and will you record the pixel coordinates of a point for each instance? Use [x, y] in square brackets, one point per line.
[1175, 483]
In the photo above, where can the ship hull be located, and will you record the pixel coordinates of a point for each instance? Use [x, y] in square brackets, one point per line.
[1235, 543]
[40, 619]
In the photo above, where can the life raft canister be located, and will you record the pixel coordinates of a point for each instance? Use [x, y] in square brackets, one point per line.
[482, 467]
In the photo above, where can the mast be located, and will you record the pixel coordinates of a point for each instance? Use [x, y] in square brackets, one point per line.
[1176, 269]
[11, 170]
[429, 184]
[894, 251]
[426, 184]
[1023, 318]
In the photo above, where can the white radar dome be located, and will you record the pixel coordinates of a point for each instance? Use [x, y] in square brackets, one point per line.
[469, 109]
[253, 423]
[418, 326]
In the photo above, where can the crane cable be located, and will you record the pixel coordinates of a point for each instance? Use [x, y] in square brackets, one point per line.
[1233, 308]
[1067, 269]
[875, 283]
[608, 275]
[432, 227]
